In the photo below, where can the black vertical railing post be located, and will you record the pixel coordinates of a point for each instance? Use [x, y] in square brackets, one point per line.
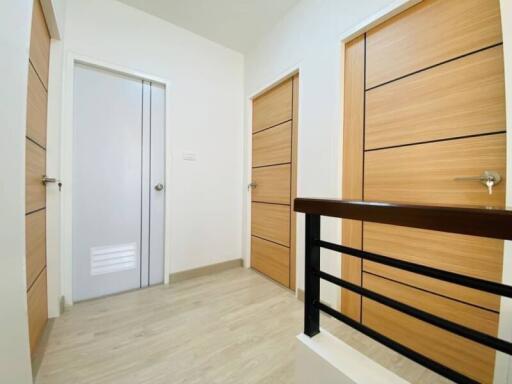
[312, 281]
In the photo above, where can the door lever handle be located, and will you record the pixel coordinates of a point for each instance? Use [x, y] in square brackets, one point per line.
[45, 179]
[488, 178]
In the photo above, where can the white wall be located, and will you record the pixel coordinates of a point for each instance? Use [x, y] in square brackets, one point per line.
[206, 117]
[308, 38]
[15, 20]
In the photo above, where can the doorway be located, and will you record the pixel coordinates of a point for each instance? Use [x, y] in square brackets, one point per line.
[118, 182]
[273, 186]
[424, 123]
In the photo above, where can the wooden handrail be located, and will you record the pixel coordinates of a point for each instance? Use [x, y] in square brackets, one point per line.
[477, 221]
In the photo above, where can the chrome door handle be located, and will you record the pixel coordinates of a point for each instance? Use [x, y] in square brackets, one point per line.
[159, 187]
[45, 179]
[488, 178]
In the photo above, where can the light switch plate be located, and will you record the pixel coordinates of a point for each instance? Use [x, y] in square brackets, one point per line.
[189, 156]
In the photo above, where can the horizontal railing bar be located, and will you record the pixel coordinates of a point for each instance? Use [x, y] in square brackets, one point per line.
[468, 333]
[397, 347]
[477, 221]
[467, 281]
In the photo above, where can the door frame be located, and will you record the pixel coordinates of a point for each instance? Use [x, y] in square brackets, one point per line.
[246, 213]
[503, 362]
[66, 171]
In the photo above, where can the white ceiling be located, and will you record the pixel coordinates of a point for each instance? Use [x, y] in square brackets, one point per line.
[237, 24]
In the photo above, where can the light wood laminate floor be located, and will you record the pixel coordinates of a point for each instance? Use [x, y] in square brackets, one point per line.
[232, 327]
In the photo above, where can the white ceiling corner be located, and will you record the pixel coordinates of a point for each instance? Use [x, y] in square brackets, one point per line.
[236, 24]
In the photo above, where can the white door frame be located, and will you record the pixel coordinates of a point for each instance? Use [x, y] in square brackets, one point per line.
[66, 171]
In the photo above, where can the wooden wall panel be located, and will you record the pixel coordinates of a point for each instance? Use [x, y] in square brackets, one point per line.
[466, 255]
[37, 105]
[457, 312]
[272, 184]
[272, 146]
[430, 33]
[271, 259]
[272, 222]
[40, 44]
[35, 225]
[37, 302]
[460, 354]
[461, 98]
[35, 169]
[426, 173]
[273, 107]
[352, 187]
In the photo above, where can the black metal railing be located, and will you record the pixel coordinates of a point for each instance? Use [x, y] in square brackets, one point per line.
[486, 222]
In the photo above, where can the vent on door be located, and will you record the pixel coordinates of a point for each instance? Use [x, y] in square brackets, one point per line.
[113, 258]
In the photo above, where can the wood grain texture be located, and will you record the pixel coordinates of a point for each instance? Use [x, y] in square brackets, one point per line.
[37, 106]
[425, 174]
[273, 107]
[467, 255]
[271, 222]
[472, 317]
[460, 98]
[293, 192]
[272, 184]
[35, 169]
[37, 299]
[464, 356]
[35, 229]
[352, 184]
[429, 33]
[272, 146]
[351, 236]
[271, 259]
[40, 44]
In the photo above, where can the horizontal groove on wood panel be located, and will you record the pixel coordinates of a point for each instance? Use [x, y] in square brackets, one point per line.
[35, 229]
[271, 222]
[35, 142]
[273, 107]
[35, 169]
[432, 66]
[396, 279]
[460, 354]
[434, 141]
[271, 259]
[460, 313]
[40, 43]
[272, 146]
[273, 126]
[405, 174]
[429, 33]
[271, 165]
[472, 256]
[37, 298]
[272, 184]
[271, 241]
[37, 105]
[462, 98]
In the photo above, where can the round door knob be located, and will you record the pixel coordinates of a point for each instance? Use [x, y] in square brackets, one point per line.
[159, 187]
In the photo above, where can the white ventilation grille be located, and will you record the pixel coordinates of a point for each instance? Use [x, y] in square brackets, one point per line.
[113, 258]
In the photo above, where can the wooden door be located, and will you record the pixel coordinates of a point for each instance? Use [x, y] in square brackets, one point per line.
[425, 111]
[35, 218]
[274, 137]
